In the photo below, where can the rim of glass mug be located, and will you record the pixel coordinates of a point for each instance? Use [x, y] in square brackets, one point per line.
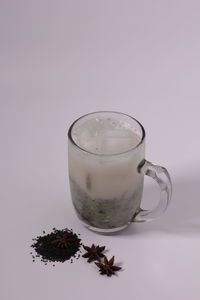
[104, 112]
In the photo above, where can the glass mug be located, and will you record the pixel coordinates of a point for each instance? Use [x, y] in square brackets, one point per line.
[106, 159]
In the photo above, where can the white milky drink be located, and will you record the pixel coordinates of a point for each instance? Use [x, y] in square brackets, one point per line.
[104, 152]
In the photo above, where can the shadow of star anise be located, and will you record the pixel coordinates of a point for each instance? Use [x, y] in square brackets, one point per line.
[107, 268]
[93, 252]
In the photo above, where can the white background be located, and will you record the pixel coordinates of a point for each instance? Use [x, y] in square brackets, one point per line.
[58, 61]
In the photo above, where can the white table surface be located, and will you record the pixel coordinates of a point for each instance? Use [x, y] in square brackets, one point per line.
[58, 61]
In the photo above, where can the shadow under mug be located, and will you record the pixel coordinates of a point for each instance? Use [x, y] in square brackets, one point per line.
[106, 159]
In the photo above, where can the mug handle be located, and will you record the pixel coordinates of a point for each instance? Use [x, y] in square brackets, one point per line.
[162, 177]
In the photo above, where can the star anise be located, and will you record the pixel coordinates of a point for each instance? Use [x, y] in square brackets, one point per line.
[107, 268]
[63, 241]
[93, 252]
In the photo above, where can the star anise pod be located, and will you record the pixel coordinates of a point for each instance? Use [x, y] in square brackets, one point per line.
[93, 252]
[107, 268]
[62, 241]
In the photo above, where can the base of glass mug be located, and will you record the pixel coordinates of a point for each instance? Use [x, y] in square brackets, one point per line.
[103, 230]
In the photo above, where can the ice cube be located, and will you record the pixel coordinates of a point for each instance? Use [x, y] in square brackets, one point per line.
[118, 140]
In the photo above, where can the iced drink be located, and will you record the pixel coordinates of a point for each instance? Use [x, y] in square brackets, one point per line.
[104, 154]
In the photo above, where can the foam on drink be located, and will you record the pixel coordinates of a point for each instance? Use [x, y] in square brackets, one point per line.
[105, 136]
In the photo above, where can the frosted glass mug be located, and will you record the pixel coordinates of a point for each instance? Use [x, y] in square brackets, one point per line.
[107, 164]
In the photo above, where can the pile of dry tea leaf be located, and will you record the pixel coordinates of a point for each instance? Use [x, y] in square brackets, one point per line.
[59, 245]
